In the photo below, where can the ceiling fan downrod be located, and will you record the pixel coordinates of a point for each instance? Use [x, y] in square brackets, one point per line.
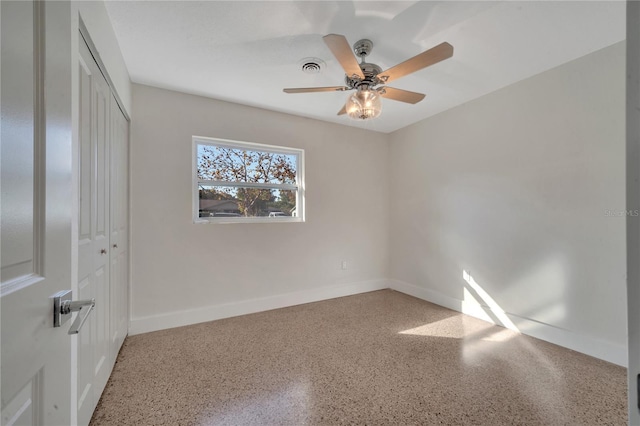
[362, 48]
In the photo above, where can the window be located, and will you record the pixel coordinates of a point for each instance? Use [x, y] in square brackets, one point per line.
[236, 182]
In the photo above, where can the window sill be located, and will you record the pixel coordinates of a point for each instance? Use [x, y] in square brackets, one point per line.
[227, 220]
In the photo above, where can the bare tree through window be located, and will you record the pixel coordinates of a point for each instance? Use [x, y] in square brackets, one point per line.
[219, 165]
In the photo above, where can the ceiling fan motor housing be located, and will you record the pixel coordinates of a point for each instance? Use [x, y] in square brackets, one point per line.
[370, 72]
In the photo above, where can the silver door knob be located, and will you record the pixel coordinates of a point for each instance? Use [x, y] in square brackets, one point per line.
[115, 246]
[63, 307]
[79, 306]
[103, 251]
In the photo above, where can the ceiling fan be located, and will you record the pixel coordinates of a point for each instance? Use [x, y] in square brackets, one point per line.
[364, 77]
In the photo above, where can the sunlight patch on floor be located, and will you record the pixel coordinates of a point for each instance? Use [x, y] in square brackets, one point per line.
[455, 327]
[502, 335]
[276, 404]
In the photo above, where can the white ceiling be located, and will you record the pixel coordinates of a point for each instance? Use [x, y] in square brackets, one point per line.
[247, 52]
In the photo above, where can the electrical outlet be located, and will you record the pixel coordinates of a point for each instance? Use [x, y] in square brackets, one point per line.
[343, 265]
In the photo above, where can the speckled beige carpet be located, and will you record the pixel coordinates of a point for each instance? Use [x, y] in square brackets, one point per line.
[380, 358]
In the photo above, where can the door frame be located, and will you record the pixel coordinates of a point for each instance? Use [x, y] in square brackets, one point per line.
[633, 206]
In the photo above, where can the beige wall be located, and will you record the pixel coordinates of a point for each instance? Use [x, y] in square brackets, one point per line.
[180, 267]
[514, 188]
[520, 189]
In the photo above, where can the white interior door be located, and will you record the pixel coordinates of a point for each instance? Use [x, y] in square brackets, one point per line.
[94, 361]
[36, 211]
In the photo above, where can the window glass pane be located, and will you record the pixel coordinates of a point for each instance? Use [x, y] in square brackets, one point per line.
[222, 201]
[239, 165]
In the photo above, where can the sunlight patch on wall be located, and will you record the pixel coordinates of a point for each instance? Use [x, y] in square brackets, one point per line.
[475, 295]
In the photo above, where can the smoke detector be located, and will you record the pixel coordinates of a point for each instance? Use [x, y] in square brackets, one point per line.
[311, 65]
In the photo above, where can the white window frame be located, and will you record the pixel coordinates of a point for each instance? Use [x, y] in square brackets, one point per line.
[226, 143]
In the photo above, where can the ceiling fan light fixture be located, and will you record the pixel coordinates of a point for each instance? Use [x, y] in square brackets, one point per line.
[365, 104]
[364, 77]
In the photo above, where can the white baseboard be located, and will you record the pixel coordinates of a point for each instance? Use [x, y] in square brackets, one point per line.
[227, 310]
[614, 353]
[601, 349]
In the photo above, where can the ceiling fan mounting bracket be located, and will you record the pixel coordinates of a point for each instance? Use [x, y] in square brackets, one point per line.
[362, 48]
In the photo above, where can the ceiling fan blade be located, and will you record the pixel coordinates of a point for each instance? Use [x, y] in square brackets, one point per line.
[316, 89]
[429, 57]
[402, 95]
[343, 110]
[340, 48]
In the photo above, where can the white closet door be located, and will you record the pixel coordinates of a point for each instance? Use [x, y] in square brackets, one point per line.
[119, 230]
[94, 362]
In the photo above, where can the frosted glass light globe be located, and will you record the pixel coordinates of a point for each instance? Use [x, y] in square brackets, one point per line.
[364, 104]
